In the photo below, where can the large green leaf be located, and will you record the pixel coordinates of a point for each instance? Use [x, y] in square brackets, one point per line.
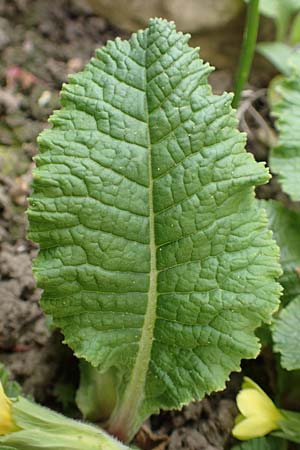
[285, 225]
[285, 157]
[286, 335]
[155, 260]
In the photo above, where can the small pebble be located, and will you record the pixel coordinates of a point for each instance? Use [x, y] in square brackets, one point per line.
[44, 99]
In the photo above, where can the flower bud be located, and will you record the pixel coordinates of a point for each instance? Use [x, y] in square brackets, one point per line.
[7, 423]
[259, 416]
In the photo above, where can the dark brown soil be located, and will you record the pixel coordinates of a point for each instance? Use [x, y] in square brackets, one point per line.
[203, 425]
[40, 43]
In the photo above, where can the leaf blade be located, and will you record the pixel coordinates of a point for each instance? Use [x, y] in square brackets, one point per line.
[143, 156]
[285, 157]
[285, 225]
[263, 443]
[286, 335]
[277, 53]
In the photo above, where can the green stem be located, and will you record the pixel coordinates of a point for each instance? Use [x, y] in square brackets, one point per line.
[248, 48]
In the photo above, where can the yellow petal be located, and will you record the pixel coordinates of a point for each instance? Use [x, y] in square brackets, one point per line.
[259, 415]
[253, 427]
[7, 424]
[252, 403]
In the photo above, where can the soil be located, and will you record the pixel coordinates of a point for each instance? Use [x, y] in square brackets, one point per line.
[202, 425]
[40, 43]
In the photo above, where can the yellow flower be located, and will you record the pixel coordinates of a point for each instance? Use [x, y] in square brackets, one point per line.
[7, 423]
[259, 416]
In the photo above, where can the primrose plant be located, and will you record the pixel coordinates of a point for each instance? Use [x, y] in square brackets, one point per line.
[286, 17]
[155, 259]
[259, 415]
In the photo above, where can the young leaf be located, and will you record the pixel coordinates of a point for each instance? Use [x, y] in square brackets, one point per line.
[285, 225]
[277, 53]
[286, 335]
[12, 388]
[96, 393]
[285, 157]
[155, 260]
[281, 11]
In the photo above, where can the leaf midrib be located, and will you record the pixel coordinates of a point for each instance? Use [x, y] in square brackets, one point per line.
[123, 422]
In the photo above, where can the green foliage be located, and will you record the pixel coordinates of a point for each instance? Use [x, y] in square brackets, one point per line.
[286, 15]
[277, 53]
[12, 388]
[290, 426]
[263, 443]
[276, 8]
[285, 157]
[285, 225]
[96, 396]
[154, 257]
[295, 31]
[281, 11]
[286, 335]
